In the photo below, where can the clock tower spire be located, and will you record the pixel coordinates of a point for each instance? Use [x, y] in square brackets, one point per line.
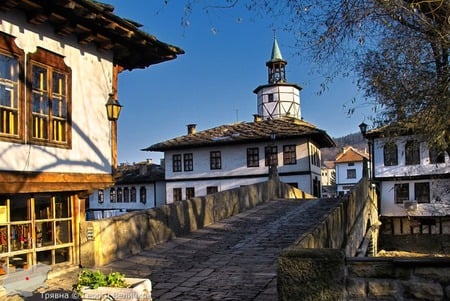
[278, 98]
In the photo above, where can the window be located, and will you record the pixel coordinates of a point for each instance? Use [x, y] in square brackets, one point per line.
[47, 118]
[271, 155]
[133, 194]
[401, 193]
[270, 98]
[112, 195]
[412, 153]
[422, 192]
[390, 154]
[289, 155]
[176, 163]
[252, 157]
[351, 173]
[211, 189]
[188, 162]
[101, 198]
[126, 195]
[436, 156]
[190, 193]
[119, 195]
[143, 195]
[177, 194]
[11, 90]
[215, 160]
[315, 156]
[49, 79]
[9, 100]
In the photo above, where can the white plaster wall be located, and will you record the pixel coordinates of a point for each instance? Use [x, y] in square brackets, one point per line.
[400, 170]
[138, 205]
[341, 173]
[439, 199]
[234, 160]
[91, 84]
[234, 164]
[288, 97]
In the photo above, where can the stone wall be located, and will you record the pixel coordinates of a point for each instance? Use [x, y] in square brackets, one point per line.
[383, 278]
[313, 268]
[103, 241]
[325, 264]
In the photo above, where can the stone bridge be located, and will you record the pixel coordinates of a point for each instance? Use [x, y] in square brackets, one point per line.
[237, 244]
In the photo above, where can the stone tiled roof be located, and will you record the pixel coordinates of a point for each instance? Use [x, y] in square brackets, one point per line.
[139, 174]
[93, 22]
[247, 132]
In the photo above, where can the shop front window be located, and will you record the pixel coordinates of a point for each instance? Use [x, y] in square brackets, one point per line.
[34, 230]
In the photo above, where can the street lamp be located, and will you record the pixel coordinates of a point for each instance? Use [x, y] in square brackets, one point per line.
[113, 108]
[273, 172]
[363, 128]
[366, 169]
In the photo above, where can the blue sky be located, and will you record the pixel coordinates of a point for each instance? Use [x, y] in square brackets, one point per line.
[213, 82]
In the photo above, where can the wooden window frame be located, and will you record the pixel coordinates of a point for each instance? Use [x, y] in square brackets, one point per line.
[436, 157]
[289, 154]
[215, 160]
[271, 155]
[401, 193]
[188, 162]
[253, 157]
[390, 154]
[190, 192]
[412, 152]
[176, 163]
[143, 195]
[53, 64]
[177, 194]
[133, 196]
[9, 48]
[422, 192]
[351, 173]
[211, 189]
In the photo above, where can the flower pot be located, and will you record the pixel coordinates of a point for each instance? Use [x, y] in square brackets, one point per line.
[140, 290]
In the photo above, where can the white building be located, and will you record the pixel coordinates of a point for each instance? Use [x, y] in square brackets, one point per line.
[328, 172]
[349, 165]
[414, 183]
[233, 155]
[59, 66]
[137, 187]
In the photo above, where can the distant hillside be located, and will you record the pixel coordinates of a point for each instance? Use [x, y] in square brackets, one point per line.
[356, 140]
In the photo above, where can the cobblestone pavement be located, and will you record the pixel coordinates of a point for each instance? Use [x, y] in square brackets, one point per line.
[235, 259]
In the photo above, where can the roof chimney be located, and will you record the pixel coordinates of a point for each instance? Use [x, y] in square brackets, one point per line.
[191, 128]
[257, 117]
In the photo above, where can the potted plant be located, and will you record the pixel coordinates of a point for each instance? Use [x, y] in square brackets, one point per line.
[95, 285]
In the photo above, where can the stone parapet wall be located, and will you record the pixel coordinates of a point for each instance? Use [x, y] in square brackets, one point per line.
[103, 241]
[313, 268]
[322, 264]
[378, 278]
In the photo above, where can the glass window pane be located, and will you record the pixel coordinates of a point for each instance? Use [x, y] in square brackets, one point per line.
[62, 232]
[43, 207]
[19, 208]
[62, 206]
[44, 234]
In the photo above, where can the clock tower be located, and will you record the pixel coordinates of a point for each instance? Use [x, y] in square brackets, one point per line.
[278, 98]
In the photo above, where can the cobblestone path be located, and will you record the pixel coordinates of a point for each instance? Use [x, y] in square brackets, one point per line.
[231, 260]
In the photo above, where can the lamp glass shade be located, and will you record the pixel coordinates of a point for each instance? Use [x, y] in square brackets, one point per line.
[113, 108]
[363, 128]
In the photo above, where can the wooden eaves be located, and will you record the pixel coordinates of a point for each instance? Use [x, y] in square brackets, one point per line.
[94, 22]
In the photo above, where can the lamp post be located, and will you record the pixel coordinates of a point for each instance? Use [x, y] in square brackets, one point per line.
[113, 108]
[273, 172]
[366, 169]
